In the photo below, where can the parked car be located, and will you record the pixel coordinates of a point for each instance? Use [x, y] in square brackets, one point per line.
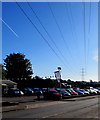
[98, 88]
[85, 92]
[28, 91]
[52, 94]
[63, 92]
[79, 92]
[44, 89]
[15, 92]
[98, 91]
[37, 91]
[92, 91]
[72, 92]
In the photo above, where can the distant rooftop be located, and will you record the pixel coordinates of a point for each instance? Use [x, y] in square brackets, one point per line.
[7, 82]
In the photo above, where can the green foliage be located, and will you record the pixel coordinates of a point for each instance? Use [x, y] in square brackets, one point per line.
[18, 67]
[37, 82]
[49, 83]
[3, 73]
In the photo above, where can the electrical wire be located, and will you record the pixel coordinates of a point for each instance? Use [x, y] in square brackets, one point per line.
[72, 27]
[42, 36]
[60, 30]
[89, 27]
[47, 32]
[84, 29]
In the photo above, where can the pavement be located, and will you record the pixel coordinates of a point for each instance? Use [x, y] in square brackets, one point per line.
[29, 102]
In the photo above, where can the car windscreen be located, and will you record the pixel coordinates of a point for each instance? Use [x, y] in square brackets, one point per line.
[71, 90]
[53, 91]
[29, 89]
[64, 91]
[16, 91]
[82, 90]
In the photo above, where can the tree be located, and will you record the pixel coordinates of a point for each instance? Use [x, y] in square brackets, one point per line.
[3, 73]
[39, 82]
[18, 67]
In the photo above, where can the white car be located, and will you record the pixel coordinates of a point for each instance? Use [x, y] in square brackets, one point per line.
[98, 91]
[85, 92]
[93, 91]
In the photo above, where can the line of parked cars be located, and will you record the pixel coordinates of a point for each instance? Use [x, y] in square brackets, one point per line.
[58, 93]
[24, 91]
[53, 93]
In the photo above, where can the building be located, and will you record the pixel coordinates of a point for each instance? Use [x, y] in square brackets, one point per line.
[6, 85]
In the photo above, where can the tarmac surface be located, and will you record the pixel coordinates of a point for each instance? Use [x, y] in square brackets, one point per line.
[29, 102]
[79, 107]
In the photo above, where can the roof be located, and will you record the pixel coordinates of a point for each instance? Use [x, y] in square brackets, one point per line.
[8, 82]
[3, 84]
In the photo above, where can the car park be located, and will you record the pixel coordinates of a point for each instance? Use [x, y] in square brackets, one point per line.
[37, 91]
[52, 94]
[28, 91]
[98, 91]
[79, 92]
[64, 93]
[85, 92]
[93, 91]
[44, 89]
[98, 88]
[71, 91]
[88, 90]
[15, 92]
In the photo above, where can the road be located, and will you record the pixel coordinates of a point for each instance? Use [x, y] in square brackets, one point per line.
[65, 109]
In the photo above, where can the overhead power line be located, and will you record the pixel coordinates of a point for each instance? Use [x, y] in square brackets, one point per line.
[42, 36]
[67, 47]
[72, 27]
[84, 32]
[60, 30]
[47, 32]
[89, 27]
[90, 16]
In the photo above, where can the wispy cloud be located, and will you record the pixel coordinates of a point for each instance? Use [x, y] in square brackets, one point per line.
[9, 28]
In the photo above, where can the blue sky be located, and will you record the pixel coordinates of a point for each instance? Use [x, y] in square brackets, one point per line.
[69, 39]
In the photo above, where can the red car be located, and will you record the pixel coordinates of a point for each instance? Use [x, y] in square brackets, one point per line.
[52, 94]
[72, 92]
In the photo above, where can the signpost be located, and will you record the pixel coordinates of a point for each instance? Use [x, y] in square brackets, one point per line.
[58, 75]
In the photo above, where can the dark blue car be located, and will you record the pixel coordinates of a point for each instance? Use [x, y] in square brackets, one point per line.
[37, 91]
[15, 92]
[79, 92]
[28, 91]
